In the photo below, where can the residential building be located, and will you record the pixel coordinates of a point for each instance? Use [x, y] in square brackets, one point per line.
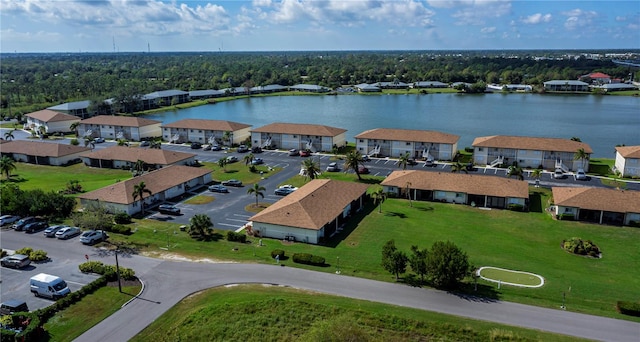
[459, 188]
[42, 153]
[430, 84]
[597, 205]
[597, 78]
[52, 121]
[628, 161]
[566, 86]
[164, 98]
[164, 184]
[267, 89]
[206, 131]
[309, 88]
[367, 88]
[311, 214]
[392, 85]
[78, 108]
[533, 152]
[299, 136]
[205, 94]
[123, 157]
[397, 142]
[119, 127]
[611, 87]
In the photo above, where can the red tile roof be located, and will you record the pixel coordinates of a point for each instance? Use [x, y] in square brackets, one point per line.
[133, 154]
[210, 125]
[312, 206]
[598, 75]
[41, 148]
[531, 143]
[301, 129]
[619, 201]
[116, 120]
[156, 181]
[47, 115]
[458, 182]
[409, 135]
[629, 151]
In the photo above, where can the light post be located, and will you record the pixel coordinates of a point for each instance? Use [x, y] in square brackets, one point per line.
[118, 270]
[338, 265]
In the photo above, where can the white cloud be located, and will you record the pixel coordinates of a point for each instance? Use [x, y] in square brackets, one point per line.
[488, 29]
[577, 18]
[537, 18]
[477, 12]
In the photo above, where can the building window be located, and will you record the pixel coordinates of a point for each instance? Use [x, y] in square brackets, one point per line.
[295, 136]
[480, 149]
[408, 143]
[190, 131]
[361, 140]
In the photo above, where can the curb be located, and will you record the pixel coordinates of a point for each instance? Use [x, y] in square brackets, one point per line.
[136, 296]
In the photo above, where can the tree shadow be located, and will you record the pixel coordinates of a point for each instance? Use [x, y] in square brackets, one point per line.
[484, 293]
[429, 208]
[395, 214]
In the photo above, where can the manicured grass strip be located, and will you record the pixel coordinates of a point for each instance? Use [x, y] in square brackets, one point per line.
[265, 313]
[72, 322]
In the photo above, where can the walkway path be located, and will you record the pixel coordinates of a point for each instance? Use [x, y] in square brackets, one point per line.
[168, 282]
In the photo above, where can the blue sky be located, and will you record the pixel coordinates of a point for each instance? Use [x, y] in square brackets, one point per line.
[277, 25]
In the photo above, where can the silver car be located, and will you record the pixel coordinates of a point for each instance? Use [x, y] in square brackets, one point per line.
[52, 230]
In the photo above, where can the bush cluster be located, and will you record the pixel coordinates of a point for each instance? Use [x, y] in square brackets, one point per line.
[277, 252]
[37, 255]
[122, 218]
[108, 271]
[628, 308]
[120, 229]
[515, 207]
[308, 259]
[569, 217]
[578, 246]
[237, 237]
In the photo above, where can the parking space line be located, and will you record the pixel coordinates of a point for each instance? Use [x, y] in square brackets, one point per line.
[230, 225]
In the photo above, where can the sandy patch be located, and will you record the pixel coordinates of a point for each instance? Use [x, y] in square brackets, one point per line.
[178, 257]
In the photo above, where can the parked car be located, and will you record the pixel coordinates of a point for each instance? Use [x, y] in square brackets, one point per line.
[257, 161]
[35, 227]
[243, 149]
[366, 158]
[168, 209]
[429, 162]
[333, 167]
[283, 191]
[12, 306]
[68, 233]
[293, 152]
[558, 174]
[16, 261]
[196, 145]
[206, 148]
[304, 153]
[218, 188]
[8, 219]
[145, 143]
[98, 140]
[581, 175]
[52, 230]
[411, 161]
[256, 149]
[90, 237]
[18, 226]
[232, 182]
[232, 159]
[216, 147]
[288, 187]
[362, 170]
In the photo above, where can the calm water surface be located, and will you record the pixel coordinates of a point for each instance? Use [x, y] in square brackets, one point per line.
[600, 121]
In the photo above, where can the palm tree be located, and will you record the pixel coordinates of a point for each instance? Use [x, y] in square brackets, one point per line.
[408, 190]
[257, 190]
[138, 167]
[222, 162]
[379, 196]
[90, 142]
[138, 192]
[403, 161]
[7, 165]
[536, 174]
[310, 169]
[457, 167]
[156, 144]
[581, 155]
[226, 137]
[200, 225]
[353, 160]
[9, 135]
[74, 127]
[515, 171]
[248, 159]
[42, 130]
[123, 142]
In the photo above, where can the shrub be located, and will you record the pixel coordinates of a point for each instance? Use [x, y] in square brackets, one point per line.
[108, 271]
[569, 217]
[75, 142]
[308, 259]
[237, 237]
[317, 260]
[122, 218]
[515, 207]
[277, 252]
[38, 255]
[92, 267]
[634, 224]
[25, 251]
[628, 308]
[121, 229]
[578, 246]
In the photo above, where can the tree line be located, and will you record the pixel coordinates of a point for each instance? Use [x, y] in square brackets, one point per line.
[32, 82]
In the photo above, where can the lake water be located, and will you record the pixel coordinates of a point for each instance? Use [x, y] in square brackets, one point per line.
[600, 121]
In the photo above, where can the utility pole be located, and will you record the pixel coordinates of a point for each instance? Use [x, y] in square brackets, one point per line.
[118, 271]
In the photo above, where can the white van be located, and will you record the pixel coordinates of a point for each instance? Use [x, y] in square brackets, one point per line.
[47, 285]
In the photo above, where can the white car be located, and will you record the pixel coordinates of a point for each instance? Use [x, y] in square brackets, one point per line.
[558, 174]
[581, 175]
[288, 187]
[333, 167]
[68, 232]
[92, 236]
[52, 230]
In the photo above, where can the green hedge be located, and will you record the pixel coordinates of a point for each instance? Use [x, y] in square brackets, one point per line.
[515, 207]
[629, 308]
[569, 217]
[277, 252]
[308, 259]
[120, 229]
[108, 271]
[237, 237]
[37, 255]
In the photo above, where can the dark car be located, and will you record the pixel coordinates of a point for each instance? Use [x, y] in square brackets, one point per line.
[8, 219]
[98, 140]
[232, 182]
[305, 153]
[216, 148]
[218, 188]
[283, 191]
[168, 209]
[12, 306]
[411, 161]
[363, 170]
[145, 143]
[243, 149]
[256, 149]
[15, 261]
[19, 226]
[196, 145]
[35, 227]
[366, 158]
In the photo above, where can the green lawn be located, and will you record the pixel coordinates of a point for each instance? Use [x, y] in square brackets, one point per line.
[258, 313]
[71, 322]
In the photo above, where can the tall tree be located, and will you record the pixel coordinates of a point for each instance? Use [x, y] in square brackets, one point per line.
[407, 189]
[515, 171]
[536, 174]
[447, 264]
[457, 167]
[393, 260]
[200, 226]
[156, 144]
[226, 137]
[310, 168]
[7, 165]
[222, 162]
[582, 156]
[257, 190]
[379, 196]
[138, 167]
[418, 261]
[403, 161]
[248, 159]
[74, 127]
[352, 161]
[139, 190]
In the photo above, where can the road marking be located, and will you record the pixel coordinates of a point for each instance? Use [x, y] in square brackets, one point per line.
[242, 215]
[236, 220]
[230, 225]
[76, 283]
